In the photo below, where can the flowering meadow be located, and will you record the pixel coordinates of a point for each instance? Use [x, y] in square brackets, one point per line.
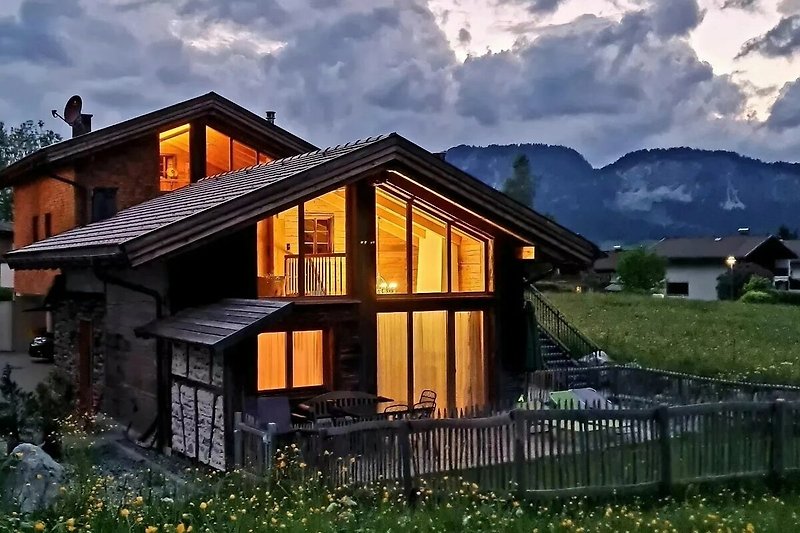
[732, 340]
[294, 500]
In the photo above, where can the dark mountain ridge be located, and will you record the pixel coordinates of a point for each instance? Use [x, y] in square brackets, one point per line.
[648, 194]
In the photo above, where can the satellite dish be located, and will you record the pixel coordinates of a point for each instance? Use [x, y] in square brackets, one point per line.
[72, 111]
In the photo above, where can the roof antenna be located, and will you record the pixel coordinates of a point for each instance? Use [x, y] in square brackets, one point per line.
[80, 122]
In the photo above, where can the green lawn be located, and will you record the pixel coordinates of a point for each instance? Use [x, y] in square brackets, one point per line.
[719, 339]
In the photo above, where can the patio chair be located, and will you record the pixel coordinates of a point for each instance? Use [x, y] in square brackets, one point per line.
[396, 411]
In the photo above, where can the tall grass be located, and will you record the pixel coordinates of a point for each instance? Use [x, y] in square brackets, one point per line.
[719, 339]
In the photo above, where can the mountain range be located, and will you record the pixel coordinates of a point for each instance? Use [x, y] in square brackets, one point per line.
[648, 194]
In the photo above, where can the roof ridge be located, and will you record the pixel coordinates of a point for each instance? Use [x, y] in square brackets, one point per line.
[283, 160]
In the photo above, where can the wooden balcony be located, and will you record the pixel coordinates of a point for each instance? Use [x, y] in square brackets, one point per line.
[324, 275]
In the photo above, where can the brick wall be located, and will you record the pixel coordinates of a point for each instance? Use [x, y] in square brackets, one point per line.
[36, 198]
[132, 169]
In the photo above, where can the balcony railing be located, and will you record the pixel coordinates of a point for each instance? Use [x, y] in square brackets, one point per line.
[324, 275]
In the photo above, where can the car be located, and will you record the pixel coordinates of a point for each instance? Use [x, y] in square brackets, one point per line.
[41, 347]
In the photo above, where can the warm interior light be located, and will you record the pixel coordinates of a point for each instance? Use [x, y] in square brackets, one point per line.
[730, 261]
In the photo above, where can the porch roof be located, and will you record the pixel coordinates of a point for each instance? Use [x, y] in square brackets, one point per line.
[218, 325]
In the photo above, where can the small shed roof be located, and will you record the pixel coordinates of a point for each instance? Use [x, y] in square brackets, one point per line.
[218, 325]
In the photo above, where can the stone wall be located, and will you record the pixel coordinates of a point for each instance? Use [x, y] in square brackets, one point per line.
[198, 418]
[67, 316]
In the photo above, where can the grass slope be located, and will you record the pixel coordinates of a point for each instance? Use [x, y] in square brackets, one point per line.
[719, 339]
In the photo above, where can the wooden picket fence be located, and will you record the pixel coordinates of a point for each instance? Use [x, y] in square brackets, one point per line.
[547, 452]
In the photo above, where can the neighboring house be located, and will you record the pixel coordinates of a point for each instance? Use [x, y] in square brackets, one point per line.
[6, 286]
[372, 265]
[694, 264]
[93, 175]
[787, 271]
[605, 268]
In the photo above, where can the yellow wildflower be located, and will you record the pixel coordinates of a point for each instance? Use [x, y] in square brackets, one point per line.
[39, 526]
[139, 500]
[124, 513]
[150, 529]
[180, 528]
[203, 506]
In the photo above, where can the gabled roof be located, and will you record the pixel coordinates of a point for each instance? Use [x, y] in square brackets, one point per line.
[207, 105]
[217, 325]
[793, 245]
[236, 199]
[738, 246]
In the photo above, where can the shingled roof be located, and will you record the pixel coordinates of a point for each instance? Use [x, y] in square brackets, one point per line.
[236, 199]
[207, 105]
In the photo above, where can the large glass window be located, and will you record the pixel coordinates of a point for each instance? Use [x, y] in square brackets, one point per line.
[174, 158]
[423, 361]
[430, 353]
[320, 270]
[470, 359]
[243, 156]
[468, 262]
[393, 356]
[306, 352]
[417, 252]
[218, 152]
[391, 239]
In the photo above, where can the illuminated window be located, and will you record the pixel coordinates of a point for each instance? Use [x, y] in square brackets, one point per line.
[174, 158]
[306, 352]
[243, 156]
[218, 152]
[321, 271]
[431, 253]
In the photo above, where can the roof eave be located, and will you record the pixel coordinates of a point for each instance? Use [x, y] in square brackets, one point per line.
[53, 259]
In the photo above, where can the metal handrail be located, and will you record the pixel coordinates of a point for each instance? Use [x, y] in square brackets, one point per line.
[556, 325]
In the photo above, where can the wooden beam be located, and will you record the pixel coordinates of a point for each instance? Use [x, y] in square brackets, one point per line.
[197, 150]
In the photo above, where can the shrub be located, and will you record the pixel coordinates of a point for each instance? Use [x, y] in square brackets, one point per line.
[758, 297]
[758, 284]
[641, 271]
[730, 285]
[786, 297]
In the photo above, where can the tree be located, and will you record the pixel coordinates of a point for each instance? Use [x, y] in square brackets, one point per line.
[521, 186]
[16, 143]
[741, 274]
[641, 270]
[785, 234]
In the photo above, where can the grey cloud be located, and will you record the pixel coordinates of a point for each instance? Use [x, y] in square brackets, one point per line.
[543, 6]
[676, 17]
[239, 11]
[464, 36]
[34, 34]
[741, 4]
[789, 7]
[785, 112]
[781, 41]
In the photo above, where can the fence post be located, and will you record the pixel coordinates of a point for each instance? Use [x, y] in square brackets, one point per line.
[778, 441]
[404, 436]
[662, 419]
[238, 444]
[269, 445]
[520, 435]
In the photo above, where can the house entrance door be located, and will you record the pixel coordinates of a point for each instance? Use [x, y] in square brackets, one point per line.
[85, 335]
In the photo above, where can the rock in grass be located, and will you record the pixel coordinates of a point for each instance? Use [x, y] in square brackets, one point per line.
[34, 478]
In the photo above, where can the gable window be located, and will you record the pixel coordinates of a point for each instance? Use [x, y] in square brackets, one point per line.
[421, 249]
[173, 171]
[302, 250]
[224, 153]
[290, 360]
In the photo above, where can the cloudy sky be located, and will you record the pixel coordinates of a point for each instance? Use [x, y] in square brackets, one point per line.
[602, 76]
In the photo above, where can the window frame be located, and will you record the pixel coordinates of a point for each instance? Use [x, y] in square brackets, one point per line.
[413, 202]
[329, 244]
[327, 353]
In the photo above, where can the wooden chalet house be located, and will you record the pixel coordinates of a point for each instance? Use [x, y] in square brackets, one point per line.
[271, 267]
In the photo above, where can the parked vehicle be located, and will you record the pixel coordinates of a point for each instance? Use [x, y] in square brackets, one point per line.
[41, 347]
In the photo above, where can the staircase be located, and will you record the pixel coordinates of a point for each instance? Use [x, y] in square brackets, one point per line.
[560, 342]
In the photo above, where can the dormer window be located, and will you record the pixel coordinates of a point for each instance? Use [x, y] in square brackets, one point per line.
[174, 170]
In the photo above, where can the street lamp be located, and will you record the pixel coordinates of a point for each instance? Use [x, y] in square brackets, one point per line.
[731, 262]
